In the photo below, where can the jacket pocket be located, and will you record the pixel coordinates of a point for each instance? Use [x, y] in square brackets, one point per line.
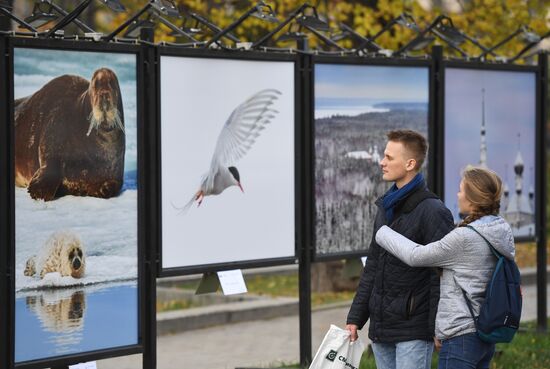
[410, 305]
[398, 308]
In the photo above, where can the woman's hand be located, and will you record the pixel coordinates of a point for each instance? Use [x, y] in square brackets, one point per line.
[437, 344]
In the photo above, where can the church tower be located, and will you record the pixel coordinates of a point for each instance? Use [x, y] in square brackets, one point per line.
[483, 147]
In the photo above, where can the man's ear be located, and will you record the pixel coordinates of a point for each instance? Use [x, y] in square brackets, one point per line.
[411, 165]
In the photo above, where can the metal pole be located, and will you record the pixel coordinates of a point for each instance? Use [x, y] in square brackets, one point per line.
[84, 27]
[151, 252]
[212, 26]
[304, 268]
[542, 281]
[231, 27]
[323, 38]
[366, 42]
[69, 18]
[174, 28]
[507, 39]
[5, 210]
[18, 20]
[126, 23]
[280, 26]
[436, 132]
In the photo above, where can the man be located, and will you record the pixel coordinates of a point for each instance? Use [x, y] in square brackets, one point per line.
[400, 301]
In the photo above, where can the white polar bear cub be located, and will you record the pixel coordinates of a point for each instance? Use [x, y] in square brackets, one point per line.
[63, 253]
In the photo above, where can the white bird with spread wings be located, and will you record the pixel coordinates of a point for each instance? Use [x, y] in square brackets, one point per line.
[236, 138]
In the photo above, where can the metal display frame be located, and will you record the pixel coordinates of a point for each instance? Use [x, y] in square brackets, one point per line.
[149, 179]
[541, 187]
[6, 201]
[539, 149]
[9, 193]
[298, 173]
[427, 63]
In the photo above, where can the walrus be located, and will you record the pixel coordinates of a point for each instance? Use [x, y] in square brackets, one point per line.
[70, 139]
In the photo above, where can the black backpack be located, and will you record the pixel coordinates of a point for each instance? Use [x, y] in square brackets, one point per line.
[499, 316]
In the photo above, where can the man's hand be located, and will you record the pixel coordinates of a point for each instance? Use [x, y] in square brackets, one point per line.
[352, 328]
[437, 344]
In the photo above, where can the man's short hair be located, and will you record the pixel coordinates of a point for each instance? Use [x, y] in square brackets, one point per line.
[413, 142]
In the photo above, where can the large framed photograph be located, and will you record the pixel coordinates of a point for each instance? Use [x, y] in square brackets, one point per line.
[228, 161]
[78, 259]
[355, 105]
[490, 120]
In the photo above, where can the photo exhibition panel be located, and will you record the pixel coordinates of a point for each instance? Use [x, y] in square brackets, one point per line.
[490, 121]
[355, 107]
[227, 149]
[76, 202]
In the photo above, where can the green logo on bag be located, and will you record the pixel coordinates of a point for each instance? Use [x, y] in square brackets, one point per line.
[332, 355]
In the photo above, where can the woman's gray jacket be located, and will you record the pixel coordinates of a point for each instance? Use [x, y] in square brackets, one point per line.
[467, 263]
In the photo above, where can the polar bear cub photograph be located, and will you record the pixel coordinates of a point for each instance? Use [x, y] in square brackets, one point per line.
[62, 253]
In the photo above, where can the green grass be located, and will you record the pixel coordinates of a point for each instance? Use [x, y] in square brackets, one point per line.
[287, 285]
[528, 350]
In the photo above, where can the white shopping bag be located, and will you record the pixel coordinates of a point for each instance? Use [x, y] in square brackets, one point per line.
[337, 351]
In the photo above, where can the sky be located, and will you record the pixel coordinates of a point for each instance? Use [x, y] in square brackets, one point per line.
[341, 85]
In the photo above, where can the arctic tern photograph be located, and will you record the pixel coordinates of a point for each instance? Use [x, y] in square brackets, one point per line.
[490, 121]
[355, 106]
[76, 192]
[227, 146]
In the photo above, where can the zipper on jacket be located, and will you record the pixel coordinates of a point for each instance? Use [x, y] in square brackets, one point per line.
[410, 306]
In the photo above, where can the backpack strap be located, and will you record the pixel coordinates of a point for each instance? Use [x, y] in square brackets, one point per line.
[495, 252]
[467, 302]
[497, 255]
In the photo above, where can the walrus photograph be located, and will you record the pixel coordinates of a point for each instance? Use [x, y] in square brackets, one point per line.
[76, 192]
[69, 138]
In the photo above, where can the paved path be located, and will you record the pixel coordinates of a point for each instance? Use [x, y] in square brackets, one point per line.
[254, 344]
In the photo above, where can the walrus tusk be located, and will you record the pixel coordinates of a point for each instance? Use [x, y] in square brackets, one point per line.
[90, 128]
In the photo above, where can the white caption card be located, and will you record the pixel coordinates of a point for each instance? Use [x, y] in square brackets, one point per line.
[88, 365]
[232, 282]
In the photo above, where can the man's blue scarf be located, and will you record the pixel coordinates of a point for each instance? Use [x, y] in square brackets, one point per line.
[394, 195]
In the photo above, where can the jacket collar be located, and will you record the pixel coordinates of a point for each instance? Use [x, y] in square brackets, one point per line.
[409, 203]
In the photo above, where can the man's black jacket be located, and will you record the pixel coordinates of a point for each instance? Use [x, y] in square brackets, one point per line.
[401, 301]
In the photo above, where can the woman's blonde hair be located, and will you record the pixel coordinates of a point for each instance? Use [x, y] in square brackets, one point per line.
[483, 188]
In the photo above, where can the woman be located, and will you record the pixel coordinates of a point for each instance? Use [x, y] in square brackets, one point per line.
[467, 264]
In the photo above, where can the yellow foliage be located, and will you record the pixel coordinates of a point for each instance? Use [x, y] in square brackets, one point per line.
[489, 21]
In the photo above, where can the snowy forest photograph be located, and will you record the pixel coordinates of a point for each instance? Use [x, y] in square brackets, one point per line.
[355, 106]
